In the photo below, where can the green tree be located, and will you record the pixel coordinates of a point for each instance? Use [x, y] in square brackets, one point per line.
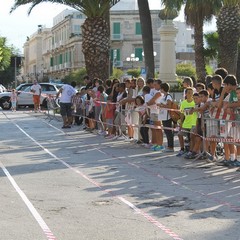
[212, 46]
[147, 36]
[95, 31]
[76, 76]
[5, 54]
[228, 25]
[134, 72]
[185, 70]
[196, 13]
[117, 73]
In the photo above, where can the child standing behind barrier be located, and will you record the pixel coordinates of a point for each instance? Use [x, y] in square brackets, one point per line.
[13, 100]
[188, 120]
[109, 116]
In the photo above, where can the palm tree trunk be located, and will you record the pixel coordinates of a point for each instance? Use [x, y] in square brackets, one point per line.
[199, 52]
[147, 38]
[228, 22]
[238, 66]
[96, 46]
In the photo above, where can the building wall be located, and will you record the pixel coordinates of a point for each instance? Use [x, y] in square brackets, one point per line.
[57, 51]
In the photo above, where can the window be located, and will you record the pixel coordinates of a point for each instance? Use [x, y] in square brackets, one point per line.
[138, 53]
[51, 62]
[115, 54]
[79, 16]
[60, 59]
[116, 30]
[77, 29]
[138, 29]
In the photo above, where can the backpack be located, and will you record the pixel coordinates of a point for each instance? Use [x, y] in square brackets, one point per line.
[174, 115]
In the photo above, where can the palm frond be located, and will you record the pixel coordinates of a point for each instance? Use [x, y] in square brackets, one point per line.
[91, 8]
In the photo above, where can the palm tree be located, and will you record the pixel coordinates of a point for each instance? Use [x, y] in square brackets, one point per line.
[95, 31]
[147, 37]
[5, 54]
[228, 25]
[196, 13]
[212, 45]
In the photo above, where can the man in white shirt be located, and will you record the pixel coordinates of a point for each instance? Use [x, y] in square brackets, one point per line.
[67, 92]
[36, 90]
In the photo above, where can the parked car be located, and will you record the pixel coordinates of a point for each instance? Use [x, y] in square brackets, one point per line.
[25, 96]
[2, 88]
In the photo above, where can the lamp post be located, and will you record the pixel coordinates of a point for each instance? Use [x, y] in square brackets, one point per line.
[132, 59]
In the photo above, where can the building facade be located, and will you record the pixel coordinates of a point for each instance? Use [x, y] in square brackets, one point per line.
[53, 53]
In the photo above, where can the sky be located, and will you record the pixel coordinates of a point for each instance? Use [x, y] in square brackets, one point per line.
[18, 25]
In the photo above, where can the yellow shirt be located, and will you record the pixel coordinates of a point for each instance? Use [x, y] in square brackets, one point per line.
[190, 119]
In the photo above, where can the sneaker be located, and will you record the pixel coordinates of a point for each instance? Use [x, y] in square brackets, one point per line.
[100, 132]
[180, 153]
[191, 156]
[153, 146]
[109, 136]
[146, 145]
[233, 164]
[211, 158]
[159, 148]
[128, 139]
[66, 126]
[167, 149]
[223, 162]
[186, 154]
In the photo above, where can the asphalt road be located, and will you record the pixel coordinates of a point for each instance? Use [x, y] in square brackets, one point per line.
[73, 185]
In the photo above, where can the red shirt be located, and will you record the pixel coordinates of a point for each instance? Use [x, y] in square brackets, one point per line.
[109, 111]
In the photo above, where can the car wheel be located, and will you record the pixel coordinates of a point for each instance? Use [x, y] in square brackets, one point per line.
[5, 103]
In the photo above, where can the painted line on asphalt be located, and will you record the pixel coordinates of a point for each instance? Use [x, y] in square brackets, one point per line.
[150, 219]
[205, 195]
[48, 233]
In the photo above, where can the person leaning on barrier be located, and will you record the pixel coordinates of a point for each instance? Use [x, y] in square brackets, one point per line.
[67, 92]
[188, 120]
[129, 105]
[120, 109]
[200, 127]
[231, 128]
[157, 133]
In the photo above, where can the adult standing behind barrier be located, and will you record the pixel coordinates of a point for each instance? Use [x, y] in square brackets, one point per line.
[166, 102]
[67, 91]
[36, 90]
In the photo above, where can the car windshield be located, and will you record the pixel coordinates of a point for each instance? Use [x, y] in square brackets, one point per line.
[27, 89]
[22, 87]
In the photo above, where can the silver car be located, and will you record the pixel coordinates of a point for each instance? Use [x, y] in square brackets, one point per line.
[25, 97]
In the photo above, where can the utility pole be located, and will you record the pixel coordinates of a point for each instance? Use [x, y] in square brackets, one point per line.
[15, 71]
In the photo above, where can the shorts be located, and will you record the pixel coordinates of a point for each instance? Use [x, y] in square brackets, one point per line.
[109, 123]
[36, 99]
[66, 109]
[120, 121]
[14, 104]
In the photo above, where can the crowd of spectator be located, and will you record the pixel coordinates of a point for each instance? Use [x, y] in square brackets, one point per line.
[140, 111]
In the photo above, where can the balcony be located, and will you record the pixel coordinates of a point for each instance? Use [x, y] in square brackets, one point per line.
[116, 37]
[67, 65]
